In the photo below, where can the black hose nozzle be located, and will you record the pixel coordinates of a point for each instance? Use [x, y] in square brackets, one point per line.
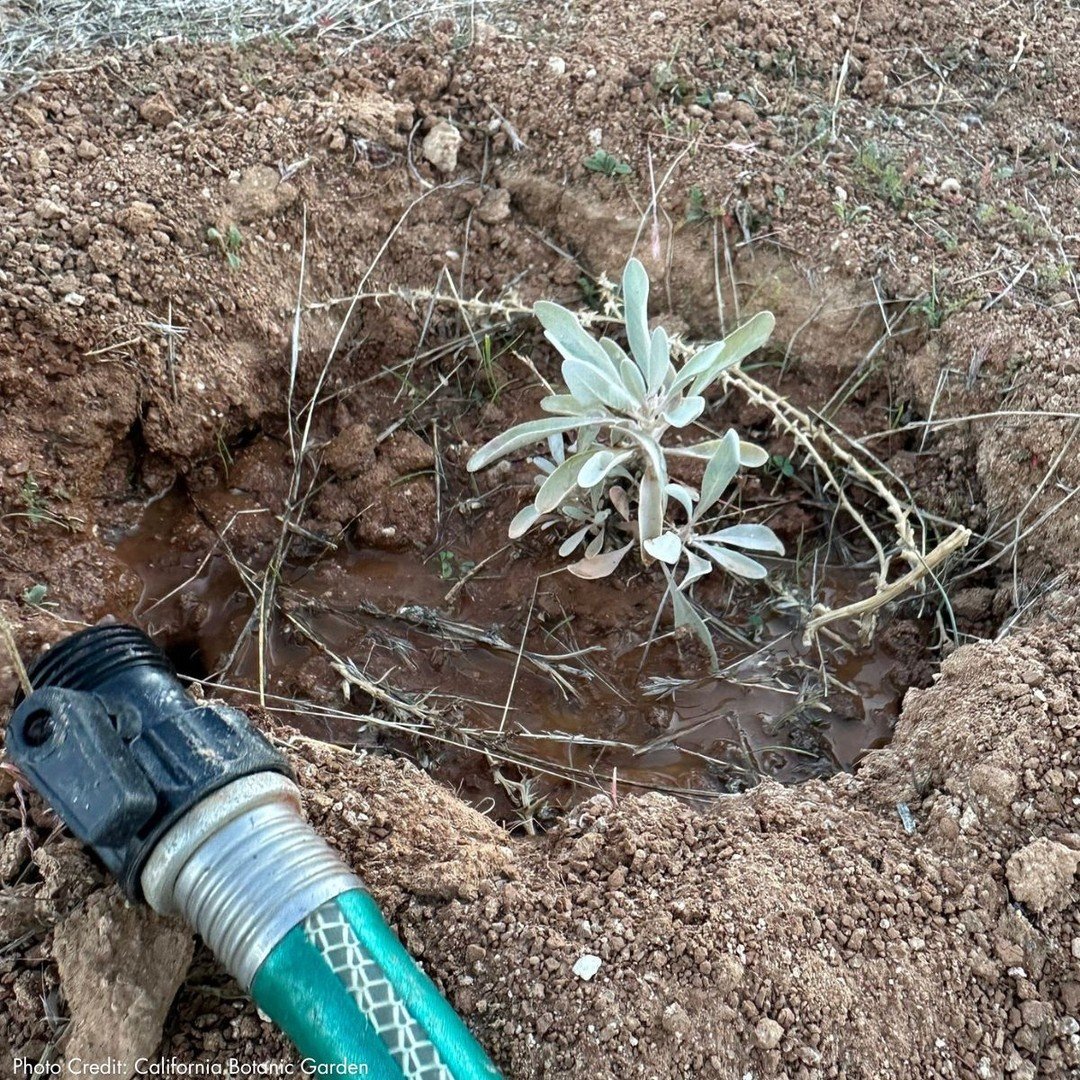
[114, 743]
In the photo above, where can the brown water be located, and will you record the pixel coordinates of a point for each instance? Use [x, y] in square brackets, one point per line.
[780, 709]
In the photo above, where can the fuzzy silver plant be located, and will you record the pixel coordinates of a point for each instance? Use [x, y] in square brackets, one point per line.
[609, 437]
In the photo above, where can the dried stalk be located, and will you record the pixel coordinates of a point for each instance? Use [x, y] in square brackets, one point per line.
[861, 608]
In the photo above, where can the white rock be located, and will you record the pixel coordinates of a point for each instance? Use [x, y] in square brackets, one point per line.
[556, 65]
[587, 966]
[441, 145]
[950, 186]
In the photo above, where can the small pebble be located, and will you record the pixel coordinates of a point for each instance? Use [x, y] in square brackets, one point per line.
[587, 966]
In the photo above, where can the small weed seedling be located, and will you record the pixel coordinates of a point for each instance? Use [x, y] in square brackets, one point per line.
[608, 164]
[612, 480]
[36, 595]
[452, 567]
[230, 244]
[698, 209]
[879, 172]
[37, 510]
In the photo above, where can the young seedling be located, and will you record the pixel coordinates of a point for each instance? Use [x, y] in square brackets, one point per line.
[698, 208]
[452, 567]
[613, 481]
[608, 164]
[230, 244]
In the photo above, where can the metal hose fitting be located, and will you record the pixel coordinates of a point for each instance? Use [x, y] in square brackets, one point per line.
[243, 868]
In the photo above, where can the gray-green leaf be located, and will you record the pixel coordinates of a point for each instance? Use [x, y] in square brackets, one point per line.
[589, 383]
[683, 496]
[635, 283]
[599, 566]
[722, 467]
[520, 435]
[650, 507]
[698, 568]
[750, 455]
[685, 615]
[751, 537]
[666, 548]
[566, 405]
[561, 482]
[600, 465]
[685, 412]
[737, 346]
[659, 359]
[573, 541]
[733, 562]
[565, 332]
[523, 521]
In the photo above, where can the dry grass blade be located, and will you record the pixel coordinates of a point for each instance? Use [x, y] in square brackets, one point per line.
[32, 35]
[436, 728]
[429, 621]
[8, 639]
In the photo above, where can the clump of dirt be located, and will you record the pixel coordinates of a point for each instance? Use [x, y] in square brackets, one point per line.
[120, 966]
[896, 182]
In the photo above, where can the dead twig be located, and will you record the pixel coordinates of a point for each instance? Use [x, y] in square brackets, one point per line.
[861, 608]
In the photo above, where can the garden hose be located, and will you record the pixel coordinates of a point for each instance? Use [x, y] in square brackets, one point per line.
[197, 814]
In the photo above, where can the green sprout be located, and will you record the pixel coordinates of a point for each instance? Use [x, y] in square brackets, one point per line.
[608, 164]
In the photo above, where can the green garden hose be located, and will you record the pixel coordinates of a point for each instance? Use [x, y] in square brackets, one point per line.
[374, 1004]
[295, 927]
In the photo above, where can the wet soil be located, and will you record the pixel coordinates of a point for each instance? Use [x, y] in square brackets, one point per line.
[898, 183]
[585, 711]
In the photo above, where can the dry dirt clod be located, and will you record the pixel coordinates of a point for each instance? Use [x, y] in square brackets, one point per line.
[120, 967]
[138, 218]
[441, 145]
[351, 451]
[1041, 874]
[158, 110]
[768, 1033]
[259, 193]
[494, 207]
[49, 209]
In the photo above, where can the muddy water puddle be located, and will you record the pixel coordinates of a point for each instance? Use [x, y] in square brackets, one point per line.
[554, 665]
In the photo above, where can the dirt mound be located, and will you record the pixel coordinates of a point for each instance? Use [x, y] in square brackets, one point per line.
[896, 181]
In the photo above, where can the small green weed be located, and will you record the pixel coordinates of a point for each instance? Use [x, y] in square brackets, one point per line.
[38, 511]
[607, 164]
[698, 209]
[850, 212]
[36, 594]
[879, 172]
[452, 567]
[780, 466]
[30, 494]
[590, 293]
[937, 306]
[230, 244]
